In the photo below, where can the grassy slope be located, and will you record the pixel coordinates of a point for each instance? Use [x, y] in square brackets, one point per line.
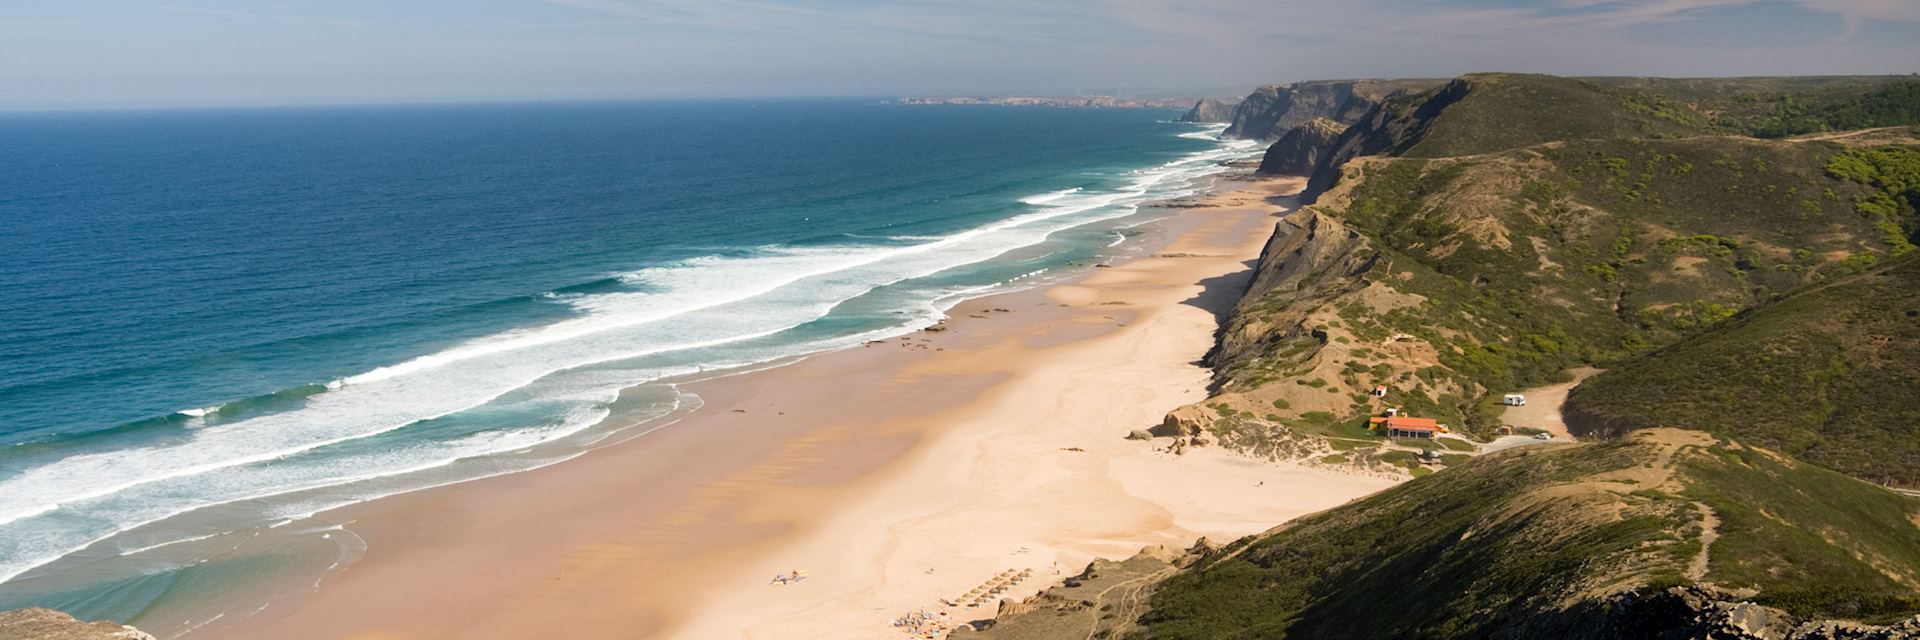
[1507, 111]
[1775, 107]
[1541, 223]
[1524, 544]
[1537, 260]
[1587, 244]
[1828, 375]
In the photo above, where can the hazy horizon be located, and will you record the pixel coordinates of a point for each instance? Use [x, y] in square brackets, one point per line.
[103, 54]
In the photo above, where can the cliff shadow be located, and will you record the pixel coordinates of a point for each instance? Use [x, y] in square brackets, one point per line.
[1288, 203]
[1218, 296]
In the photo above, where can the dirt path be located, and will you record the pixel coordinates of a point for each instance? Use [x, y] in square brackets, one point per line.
[1841, 135]
[1542, 410]
[1131, 604]
[1709, 532]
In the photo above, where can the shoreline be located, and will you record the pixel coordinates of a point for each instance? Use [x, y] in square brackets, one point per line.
[894, 474]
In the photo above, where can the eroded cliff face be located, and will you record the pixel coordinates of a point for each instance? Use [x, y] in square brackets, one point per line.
[1280, 359]
[47, 624]
[1271, 111]
[1210, 110]
[1310, 259]
[1390, 126]
[1300, 150]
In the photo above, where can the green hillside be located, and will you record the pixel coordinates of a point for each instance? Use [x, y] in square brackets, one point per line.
[1532, 261]
[1504, 240]
[1563, 542]
[1488, 112]
[1507, 111]
[1775, 107]
[1828, 376]
[1730, 274]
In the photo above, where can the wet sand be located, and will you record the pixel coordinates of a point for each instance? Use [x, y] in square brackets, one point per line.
[893, 475]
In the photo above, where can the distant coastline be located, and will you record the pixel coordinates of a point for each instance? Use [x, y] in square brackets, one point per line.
[1064, 102]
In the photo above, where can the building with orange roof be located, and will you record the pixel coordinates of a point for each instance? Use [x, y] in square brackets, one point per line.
[1410, 427]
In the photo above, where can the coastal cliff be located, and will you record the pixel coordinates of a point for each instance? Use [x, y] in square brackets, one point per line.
[1493, 234]
[1271, 111]
[1389, 127]
[47, 624]
[1062, 102]
[1506, 243]
[1210, 111]
[1300, 150]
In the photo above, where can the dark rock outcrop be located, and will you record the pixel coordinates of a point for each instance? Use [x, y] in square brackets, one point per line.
[1391, 126]
[1210, 110]
[1310, 257]
[1271, 111]
[1704, 612]
[47, 624]
[1300, 150]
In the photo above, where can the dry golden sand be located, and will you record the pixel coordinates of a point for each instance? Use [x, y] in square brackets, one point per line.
[894, 475]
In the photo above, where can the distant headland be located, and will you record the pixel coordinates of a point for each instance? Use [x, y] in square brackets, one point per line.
[1065, 102]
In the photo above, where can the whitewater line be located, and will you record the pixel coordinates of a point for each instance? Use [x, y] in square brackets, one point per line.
[517, 340]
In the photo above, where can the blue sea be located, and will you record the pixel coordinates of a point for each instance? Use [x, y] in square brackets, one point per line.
[214, 323]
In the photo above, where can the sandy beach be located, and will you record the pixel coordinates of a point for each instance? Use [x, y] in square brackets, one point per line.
[891, 476]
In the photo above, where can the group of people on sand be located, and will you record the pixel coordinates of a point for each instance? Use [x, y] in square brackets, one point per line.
[924, 624]
[790, 577]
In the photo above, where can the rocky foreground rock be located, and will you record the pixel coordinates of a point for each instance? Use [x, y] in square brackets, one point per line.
[47, 624]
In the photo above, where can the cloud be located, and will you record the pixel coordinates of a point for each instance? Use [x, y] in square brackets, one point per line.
[241, 15]
[1621, 14]
[1854, 13]
[92, 49]
[1207, 24]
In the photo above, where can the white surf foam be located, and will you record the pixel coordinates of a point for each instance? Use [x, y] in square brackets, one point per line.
[1049, 197]
[1211, 132]
[201, 412]
[169, 543]
[700, 303]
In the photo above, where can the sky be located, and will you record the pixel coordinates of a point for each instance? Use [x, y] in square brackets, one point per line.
[135, 53]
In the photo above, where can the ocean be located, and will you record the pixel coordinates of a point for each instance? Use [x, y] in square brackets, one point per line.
[216, 322]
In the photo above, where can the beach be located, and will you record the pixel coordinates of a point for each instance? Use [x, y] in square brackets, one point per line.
[887, 477]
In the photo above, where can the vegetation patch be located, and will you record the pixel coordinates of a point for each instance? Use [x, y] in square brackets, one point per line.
[1549, 524]
[1828, 375]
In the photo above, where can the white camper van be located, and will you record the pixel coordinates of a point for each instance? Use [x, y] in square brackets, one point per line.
[1514, 400]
